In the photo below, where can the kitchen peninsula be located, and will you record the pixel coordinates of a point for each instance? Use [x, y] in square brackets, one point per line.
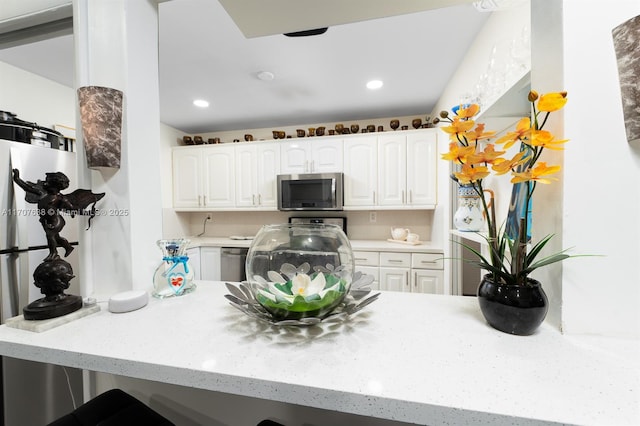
[417, 358]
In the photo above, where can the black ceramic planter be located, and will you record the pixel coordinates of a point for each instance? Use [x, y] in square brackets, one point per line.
[513, 309]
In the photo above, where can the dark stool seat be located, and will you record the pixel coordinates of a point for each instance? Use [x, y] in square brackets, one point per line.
[113, 408]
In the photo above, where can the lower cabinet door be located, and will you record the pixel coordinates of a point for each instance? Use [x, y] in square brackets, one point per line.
[394, 279]
[427, 281]
[371, 270]
[210, 263]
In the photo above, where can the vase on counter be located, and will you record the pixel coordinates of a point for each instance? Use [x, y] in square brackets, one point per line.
[174, 276]
[468, 216]
[513, 309]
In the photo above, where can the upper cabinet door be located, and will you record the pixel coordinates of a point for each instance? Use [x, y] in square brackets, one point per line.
[392, 170]
[187, 178]
[312, 155]
[268, 167]
[295, 157]
[422, 160]
[246, 175]
[326, 155]
[360, 171]
[219, 172]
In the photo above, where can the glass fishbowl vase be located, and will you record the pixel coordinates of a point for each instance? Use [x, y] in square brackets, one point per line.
[300, 270]
[174, 276]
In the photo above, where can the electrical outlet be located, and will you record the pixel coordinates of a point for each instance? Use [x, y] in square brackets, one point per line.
[372, 217]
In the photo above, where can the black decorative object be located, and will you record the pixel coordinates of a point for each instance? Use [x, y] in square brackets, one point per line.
[52, 276]
[513, 309]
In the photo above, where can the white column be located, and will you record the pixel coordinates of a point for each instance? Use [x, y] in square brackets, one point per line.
[547, 75]
[116, 45]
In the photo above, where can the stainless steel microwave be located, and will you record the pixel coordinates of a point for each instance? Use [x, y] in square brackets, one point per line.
[311, 191]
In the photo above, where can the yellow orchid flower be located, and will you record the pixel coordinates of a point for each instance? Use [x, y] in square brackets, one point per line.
[478, 134]
[470, 174]
[469, 111]
[459, 126]
[552, 101]
[458, 153]
[545, 139]
[489, 155]
[502, 167]
[536, 174]
[523, 128]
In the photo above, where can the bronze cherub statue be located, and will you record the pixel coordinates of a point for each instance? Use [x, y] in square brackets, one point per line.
[52, 276]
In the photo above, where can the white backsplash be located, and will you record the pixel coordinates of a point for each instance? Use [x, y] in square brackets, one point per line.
[359, 227]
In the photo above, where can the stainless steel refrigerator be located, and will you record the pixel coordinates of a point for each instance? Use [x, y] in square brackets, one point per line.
[32, 393]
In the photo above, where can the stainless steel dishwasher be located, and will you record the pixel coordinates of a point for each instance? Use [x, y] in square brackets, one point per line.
[232, 264]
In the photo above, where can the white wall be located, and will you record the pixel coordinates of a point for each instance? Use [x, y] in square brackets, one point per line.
[173, 224]
[36, 99]
[589, 209]
[601, 295]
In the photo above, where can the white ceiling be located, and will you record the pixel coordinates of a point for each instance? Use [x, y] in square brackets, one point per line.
[203, 54]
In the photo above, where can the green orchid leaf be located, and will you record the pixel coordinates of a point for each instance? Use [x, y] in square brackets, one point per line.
[559, 257]
[535, 250]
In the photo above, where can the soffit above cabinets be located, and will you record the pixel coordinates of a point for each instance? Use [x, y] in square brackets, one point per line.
[256, 18]
[24, 22]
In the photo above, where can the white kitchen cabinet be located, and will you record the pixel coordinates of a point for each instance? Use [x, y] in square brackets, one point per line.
[257, 166]
[407, 169]
[394, 271]
[187, 177]
[367, 262]
[382, 171]
[422, 160]
[312, 155]
[427, 275]
[220, 182]
[374, 271]
[392, 170]
[193, 253]
[360, 171]
[394, 279]
[210, 263]
[427, 281]
[204, 177]
[407, 272]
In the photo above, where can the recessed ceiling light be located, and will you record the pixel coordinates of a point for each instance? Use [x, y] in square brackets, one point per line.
[201, 103]
[374, 84]
[265, 75]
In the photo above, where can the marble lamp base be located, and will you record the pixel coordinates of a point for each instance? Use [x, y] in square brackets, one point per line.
[39, 326]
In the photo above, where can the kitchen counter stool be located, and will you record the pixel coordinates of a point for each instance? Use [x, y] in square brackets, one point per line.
[112, 408]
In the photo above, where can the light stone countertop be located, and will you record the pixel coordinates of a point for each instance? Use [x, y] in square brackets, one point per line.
[358, 245]
[417, 358]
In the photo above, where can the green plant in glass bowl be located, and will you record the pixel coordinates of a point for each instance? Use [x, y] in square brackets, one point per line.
[300, 274]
